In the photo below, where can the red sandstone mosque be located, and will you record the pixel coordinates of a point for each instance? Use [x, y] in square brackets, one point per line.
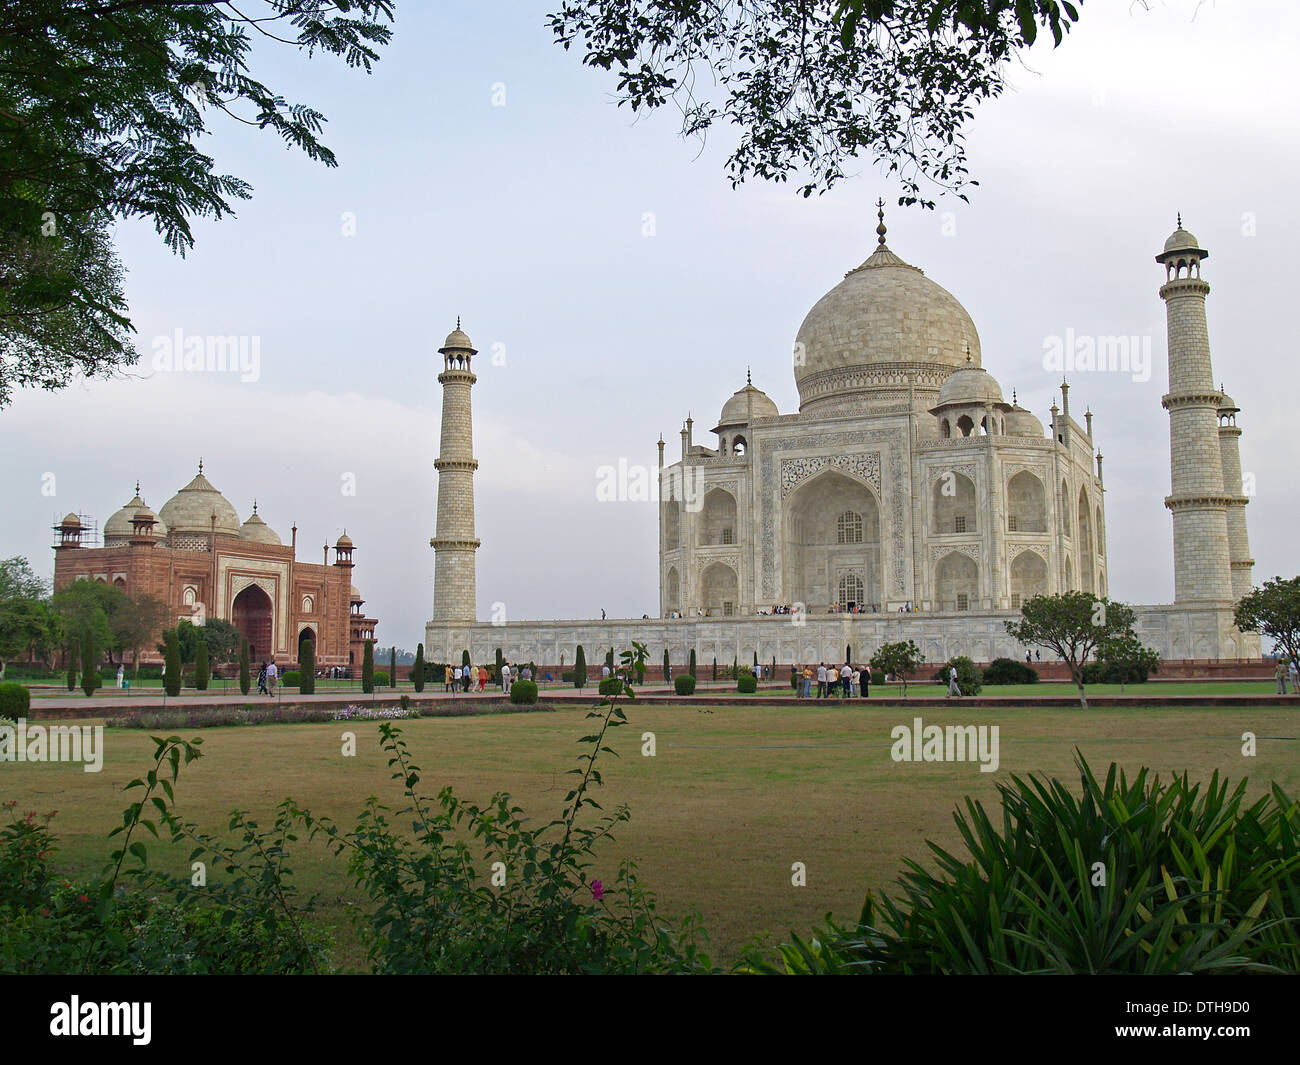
[197, 557]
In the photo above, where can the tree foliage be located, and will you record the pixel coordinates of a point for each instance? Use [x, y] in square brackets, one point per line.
[1274, 611]
[417, 670]
[900, 660]
[307, 667]
[172, 659]
[245, 678]
[102, 103]
[809, 85]
[202, 674]
[368, 668]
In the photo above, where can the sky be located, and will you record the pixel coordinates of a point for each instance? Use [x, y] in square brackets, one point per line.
[614, 281]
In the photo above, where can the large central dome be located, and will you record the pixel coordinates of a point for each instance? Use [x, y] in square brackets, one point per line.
[885, 322]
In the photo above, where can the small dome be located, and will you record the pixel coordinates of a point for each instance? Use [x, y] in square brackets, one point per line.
[121, 526]
[343, 541]
[1227, 405]
[1181, 240]
[1020, 422]
[970, 386]
[736, 411]
[354, 595]
[71, 520]
[192, 508]
[457, 340]
[256, 531]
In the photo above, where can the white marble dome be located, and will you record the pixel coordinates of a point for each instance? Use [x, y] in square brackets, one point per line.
[120, 527]
[191, 509]
[970, 385]
[736, 411]
[886, 319]
[256, 531]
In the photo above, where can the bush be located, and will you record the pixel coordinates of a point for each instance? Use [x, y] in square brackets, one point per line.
[368, 667]
[1115, 673]
[245, 679]
[746, 683]
[381, 678]
[567, 676]
[15, 700]
[523, 693]
[202, 674]
[684, 684]
[1196, 881]
[307, 667]
[1009, 671]
[172, 653]
[291, 678]
[611, 686]
[969, 679]
[580, 668]
[417, 671]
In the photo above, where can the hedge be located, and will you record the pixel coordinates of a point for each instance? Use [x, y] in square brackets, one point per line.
[684, 684]
[523, 693]
[1009, 671]
[15, 700]
[611, 686]
[747, 683]
[291, 678]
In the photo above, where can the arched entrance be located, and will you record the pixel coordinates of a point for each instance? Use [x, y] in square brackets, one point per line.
[308, 633]
[251, 615]
[832, 527]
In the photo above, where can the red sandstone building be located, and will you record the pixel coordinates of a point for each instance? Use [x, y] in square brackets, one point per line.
[197, 557]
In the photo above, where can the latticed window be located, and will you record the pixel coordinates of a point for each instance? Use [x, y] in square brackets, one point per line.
[727, 537]
[963, 601]
[959, 523]
[1015, 600]
[850, 590]
[1012, 523]
[728, 608]
[848, 529]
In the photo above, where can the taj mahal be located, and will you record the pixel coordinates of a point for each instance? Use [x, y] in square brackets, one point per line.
[905, 499]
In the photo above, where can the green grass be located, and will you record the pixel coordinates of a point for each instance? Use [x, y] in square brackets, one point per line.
[734, 796]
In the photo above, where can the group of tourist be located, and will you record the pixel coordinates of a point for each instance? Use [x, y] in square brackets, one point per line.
[464, 678]
[1284, 671]
[267, 676]
[848, 681]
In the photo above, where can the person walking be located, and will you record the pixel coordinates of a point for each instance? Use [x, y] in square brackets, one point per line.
[846, 679]
[1295, 677]
[446, 678]
[261, 679]
[953, 687]
[272, 675]
[482, 678]
[505, 677]
[1280, 674]
[866, 680]
[821, 680]
[807, 682]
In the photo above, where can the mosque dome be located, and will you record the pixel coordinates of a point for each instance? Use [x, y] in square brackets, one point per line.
[120, 527]
[737, 410]
[1181, 240]
[344, 541]
[970, 386]
[256, 531]
[355, 595]
[1020, 422]
[458, 340]
[190, 510]
[885, 321]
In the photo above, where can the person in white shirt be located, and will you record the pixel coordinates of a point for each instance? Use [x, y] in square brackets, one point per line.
[505, 678]
[953, 687]
[846, 675]
[271, 675]
[604, 672]
[821, 681]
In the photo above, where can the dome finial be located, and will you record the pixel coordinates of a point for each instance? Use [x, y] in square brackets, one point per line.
[137, 480]
[1180, 219]
[200, 464]
[1014, 401]
[749, 377]
[254, 506]
[880, 228]
[458, 321]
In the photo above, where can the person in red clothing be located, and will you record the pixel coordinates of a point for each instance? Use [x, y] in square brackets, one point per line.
[482, 677]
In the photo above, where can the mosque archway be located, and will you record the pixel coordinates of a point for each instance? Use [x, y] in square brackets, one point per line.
[719, 590]
[1028, 578]
[718, 518]
[251, 613]
[672, 526]
[1085, 544]
[308, 633]
[954, 504]
[832, 529]
[673, 591]
[1026, 504]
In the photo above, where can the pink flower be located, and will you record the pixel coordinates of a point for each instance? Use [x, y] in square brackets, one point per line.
[597, 891]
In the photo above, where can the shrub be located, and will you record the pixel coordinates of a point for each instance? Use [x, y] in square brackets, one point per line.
[381, 679]
[1196, 882]
[72, 666]
[580, 668]
[611, 686]
[202, 674]
[368, 667]
[1116, 673]
[245, 680]
[746, 683]
[684, 684]
[523, 693]
[567, 676]
[969, 679]
[15, 700]
[417, 670]
[291, 678]
[89, 659]
[172, 655]
[307, 667]
[1009, 671]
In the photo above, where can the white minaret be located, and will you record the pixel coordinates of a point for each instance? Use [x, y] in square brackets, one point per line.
[1197, 499]
[455, 544]
[1238, 541]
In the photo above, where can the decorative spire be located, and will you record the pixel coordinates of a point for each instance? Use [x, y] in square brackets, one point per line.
[200, 464]
[137, 481]
[880, 227]
[1180, 219]
[749, 379]
[1014, 402]
[254, 506]
[458, 321]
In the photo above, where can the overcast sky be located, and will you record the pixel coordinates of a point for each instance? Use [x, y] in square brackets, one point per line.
[529, 219]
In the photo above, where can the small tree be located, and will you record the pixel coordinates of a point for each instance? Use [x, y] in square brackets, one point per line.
[715, 669]
[245, 681]
[1074, 625]
[691, 670]
[609, 659]
[171, 663]
[1274, 611]
[667, 666]
[392, 666]
[1125, 659]
[500, 663]
[368, 668]
[201, 670]
[307, 667]
[72, 665]
[417, 671]
[899, 659]
[969, 677]
[580, 668]
[89, 663]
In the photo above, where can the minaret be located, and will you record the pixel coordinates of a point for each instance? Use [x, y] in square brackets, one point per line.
[1239, 558]
[1197, 499]
[455, 544]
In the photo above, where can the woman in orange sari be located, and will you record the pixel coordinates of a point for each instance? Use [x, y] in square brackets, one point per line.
[482, 677]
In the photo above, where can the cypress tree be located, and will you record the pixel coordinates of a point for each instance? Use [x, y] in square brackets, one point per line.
[201, 671]
[89, 663]
[580, 668]
[417, 674]
[392, 666]
[72, 665]
[368, 668]
[715, 667]
[464, 657]
[172, 656]
[691, 670]
[244, 679]
[609, 659]
[735, 668]
[307, 667]
[500, 663]
[756, 663]
[667, 665]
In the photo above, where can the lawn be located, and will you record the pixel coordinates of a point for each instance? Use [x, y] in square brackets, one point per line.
[733, 797]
